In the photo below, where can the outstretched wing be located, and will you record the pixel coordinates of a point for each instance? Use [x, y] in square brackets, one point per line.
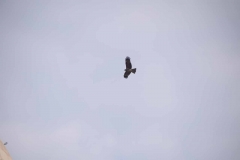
[126, 74]
[128, 63]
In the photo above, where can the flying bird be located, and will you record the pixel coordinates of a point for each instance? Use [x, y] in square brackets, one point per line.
[128, 69]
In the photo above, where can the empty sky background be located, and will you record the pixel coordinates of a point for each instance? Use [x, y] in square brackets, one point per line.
[63, 95]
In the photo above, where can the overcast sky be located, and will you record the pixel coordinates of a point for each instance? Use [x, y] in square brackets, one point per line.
[63, 95]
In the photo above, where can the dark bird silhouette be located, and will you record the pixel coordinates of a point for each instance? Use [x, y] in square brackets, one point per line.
[128, 69]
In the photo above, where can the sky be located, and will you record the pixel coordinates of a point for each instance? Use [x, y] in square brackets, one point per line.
[63, 95]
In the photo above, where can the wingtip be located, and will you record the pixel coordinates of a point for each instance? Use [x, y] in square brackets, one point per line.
[127, 57]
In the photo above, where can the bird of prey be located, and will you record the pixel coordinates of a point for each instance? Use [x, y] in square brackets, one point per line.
[128, 69]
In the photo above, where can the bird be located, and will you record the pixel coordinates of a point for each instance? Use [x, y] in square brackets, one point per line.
[5, 143]
[128, 69]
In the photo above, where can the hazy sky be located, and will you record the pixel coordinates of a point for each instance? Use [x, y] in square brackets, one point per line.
[63, 95]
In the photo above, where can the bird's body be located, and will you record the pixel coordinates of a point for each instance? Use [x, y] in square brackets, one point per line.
[128, 69]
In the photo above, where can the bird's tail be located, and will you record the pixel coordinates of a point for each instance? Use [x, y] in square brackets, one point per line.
[134, 70]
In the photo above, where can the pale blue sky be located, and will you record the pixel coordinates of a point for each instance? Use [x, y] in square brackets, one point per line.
[63, 95]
